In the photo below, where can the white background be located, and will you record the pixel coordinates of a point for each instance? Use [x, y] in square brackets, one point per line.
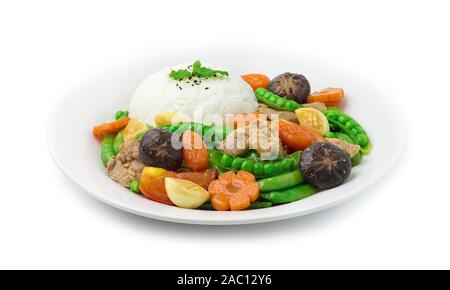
[49, 47]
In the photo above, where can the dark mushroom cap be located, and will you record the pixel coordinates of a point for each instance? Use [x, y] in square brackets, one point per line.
[325, 165]
[292, 86]
[159, 149]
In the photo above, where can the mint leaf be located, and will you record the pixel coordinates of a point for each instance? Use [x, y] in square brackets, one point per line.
[180, 74]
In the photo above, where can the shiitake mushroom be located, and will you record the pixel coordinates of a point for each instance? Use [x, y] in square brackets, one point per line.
[325, 165]
[292, 86]
[158, 149]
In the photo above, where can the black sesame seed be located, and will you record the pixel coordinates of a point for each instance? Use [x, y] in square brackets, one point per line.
[206, 88]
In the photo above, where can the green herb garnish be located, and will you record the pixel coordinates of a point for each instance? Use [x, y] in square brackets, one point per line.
[204, 72]
[180, 74]
[197, 71]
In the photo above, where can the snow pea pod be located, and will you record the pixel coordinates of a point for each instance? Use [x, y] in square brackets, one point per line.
[290, 194]
[280, 181]
[118, 141]
[107, 149]
[346, 124]
[261, 169]
[276, 102]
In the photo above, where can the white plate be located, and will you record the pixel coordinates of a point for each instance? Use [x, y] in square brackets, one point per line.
[76, 151]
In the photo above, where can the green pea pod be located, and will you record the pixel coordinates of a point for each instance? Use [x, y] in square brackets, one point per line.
[107, 148]
[252, 154]
[214, 160]
[276, 102]
[281, 181]
[261, 169]
[118, 141]
[346, 124]
[356, 159]
[260, 204]
[291, 194]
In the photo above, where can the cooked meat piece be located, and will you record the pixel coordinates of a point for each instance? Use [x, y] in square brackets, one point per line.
[236, 143]
[351, 149]
[285, 115]
[127, 165]
[316, 105]
[256, 135]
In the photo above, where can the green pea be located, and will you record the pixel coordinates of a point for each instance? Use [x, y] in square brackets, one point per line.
[277, 168]
[267, 95]
[134, 186]
[280, 102]
[291, 105]
[260, 91]
[247, 165]
[226, 160]
[273, 98]
[237, 163]
[269, 169]
[356, 130]
[330, 135]
[287, 164]
[343, 119]
[258, 169]
[350, 124]
[362, 139]
[333, 115]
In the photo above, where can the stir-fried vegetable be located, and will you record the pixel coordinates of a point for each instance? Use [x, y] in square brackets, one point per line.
[195, 153]
[327, 96]
[107, 148]
[185, 193]
[291, 194]
[261, 169]
[280, 181]
[297, 136]
[104, 129]
[233, 191]
[349, 126]
[257, 80]
[276, 102]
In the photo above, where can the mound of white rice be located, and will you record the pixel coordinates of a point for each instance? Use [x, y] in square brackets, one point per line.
[159, 93]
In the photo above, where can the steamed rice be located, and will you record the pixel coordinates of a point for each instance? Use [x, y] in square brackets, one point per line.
[215, 96]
